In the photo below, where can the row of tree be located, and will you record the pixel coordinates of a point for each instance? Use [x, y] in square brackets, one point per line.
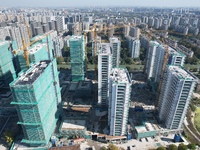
[179, 147]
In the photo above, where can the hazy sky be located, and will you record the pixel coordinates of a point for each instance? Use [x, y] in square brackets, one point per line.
[68, 3]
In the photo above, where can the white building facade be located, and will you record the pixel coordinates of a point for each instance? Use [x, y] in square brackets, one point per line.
[104, 68]
[119, 97]
[155, 60]
[176, 92]
[116, 45]
[134, 48]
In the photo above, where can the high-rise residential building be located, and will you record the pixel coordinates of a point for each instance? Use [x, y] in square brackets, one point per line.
[176, 92]
[45, 28]
[60, 23]
[111, 30]
[24, 33]
[104, 68]
[77, 57]
[126, 30]
[134, 32]
[151, 22]
[7, 71]
[144, 40]
[116, 45]
[58, 45]
[51, 25]
[15, 35]
[154, 61]
[39, 30]
[134, 47]
[175, 57]
[36, 52]
[98, 45]
[119, 99]
[156, 23]
[36, 94]
[88, 19]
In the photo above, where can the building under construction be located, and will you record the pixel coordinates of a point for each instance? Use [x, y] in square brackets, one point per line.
[36, 94]
[7, 71]
[77, 56]
[37, 52]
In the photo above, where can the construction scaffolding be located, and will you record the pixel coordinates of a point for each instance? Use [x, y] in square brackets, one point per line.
[37, 95]
[37, 52]
[77, 55]
[7, 71]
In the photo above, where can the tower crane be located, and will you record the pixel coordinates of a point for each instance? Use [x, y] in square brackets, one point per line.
[26, 45]
[163, 71]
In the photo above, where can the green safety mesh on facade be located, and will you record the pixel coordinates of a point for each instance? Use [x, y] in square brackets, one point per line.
[37, 105]
[77, 56]
[41, 54]
[7, 71]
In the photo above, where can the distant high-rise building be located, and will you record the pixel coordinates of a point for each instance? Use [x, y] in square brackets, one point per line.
[51, 25]
[116, 45]
[98, 45]
[119, 99]
[176, 93]
[7, 71]
[111, 30]
[15, 35]
[88, 19]
[37, 96]
[134, 32]
[144, 19]
[126, 30]
[24, 33]
[38, 31]
[104, 68]
[60, 23]
[144, 40]
[45, 28]
[58, 45]
[134, 47]
[77, 57]
[155, 60]
[151, 22]
[156, 23]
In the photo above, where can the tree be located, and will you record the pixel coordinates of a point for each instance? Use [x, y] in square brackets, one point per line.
[112, 147]
[191, 146]
[172, 147]
[60, 60]
[103, 148]
[9, 137]
[193, 107]
[182, 147]
[161, 148]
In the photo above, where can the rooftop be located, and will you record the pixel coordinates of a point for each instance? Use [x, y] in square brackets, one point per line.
[75, 38]
[114, 39]
[31, 75]
[36, 48]
[182, 73]
[84, 84]
[3, 42]
[120, 75]
[172, 51]
[73, 125]
[105, 48]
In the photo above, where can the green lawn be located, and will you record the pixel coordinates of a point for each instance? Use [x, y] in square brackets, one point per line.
[188, 66]
[197, 119]
[132, 67]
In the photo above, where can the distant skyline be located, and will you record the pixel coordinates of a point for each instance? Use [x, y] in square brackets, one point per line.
[79, 3]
